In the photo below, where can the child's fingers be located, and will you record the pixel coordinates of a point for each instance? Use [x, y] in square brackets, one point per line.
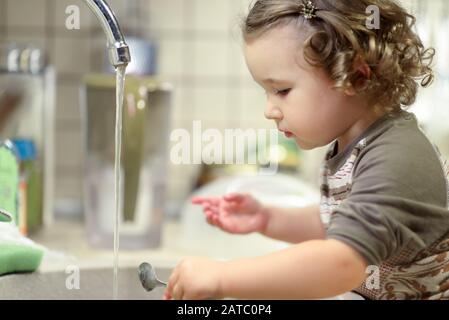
[166, 296]
[207, 206]
[208, 213]
[212, 209]
[210, 217]
[215, 219]
[232, 196]
[235, 207]
[209, 220]
[178, 292]
[230, 206]
[199, 200]
[205, 200]
[172, 281]
[235, 197]
[218, 222]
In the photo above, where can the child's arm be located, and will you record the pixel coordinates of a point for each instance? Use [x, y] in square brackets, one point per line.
[241, 214]
[294, 225]
[310, 270]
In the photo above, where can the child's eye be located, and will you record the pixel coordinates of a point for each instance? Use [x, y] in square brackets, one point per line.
[282, 92]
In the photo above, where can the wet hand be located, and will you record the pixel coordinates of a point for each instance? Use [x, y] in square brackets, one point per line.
[195, 279]
[237, 213]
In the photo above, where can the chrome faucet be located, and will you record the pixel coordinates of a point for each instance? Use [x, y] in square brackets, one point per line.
[118, 49]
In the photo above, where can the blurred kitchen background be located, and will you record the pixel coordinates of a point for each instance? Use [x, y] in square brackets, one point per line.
[192, 69]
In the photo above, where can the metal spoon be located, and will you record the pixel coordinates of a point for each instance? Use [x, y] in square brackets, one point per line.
[5, 216]
[148, 277]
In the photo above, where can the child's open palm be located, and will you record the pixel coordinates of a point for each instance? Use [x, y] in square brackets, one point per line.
[234, 213]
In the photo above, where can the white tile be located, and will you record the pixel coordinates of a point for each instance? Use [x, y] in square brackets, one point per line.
[182, 108]
[26, 13]
[211, 57]
[98, 53]
[69, 149]
[253, 98]
[253, 102]
[211, 15]
[67, 101]
[238, 12]
[164, 15]
[36, 40]
[2, 10]
[119, 8]
[178, 191]
[178, 173]
[180, 123]
[211, 103]
[170, 57]
[190, 54]
[236, 58]
[183, 175]
[234, 105]
[68, 186]
[216, 124]
[72, 55]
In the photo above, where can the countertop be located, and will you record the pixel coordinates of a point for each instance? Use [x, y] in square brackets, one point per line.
[66, 244]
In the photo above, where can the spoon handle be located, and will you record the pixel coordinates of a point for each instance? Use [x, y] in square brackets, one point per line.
[162, 282]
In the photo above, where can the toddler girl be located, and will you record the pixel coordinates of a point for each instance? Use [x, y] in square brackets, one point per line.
[382, 226]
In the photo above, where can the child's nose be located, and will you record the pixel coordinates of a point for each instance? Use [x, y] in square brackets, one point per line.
[272, 112]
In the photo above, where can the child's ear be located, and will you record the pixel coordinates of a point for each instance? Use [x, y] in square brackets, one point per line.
[364, 74]
[361, 66]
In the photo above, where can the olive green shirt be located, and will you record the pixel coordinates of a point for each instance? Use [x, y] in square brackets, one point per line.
[387, 191]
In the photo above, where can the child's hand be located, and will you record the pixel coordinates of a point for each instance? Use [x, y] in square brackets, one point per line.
[194, 279]
[234, 213]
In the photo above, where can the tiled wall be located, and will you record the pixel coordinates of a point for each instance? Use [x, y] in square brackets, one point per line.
[199, 52]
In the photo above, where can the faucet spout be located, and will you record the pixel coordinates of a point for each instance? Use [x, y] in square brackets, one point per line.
[118, 49]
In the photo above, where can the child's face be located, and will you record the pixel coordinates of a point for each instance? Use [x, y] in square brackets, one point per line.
[300, 99]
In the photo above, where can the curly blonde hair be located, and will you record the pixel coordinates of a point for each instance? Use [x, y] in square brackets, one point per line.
[339, 36]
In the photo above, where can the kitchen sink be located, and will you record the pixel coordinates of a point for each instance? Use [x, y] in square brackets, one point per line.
[93, 284]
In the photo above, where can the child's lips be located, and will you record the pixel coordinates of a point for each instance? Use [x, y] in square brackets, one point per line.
[288, 134]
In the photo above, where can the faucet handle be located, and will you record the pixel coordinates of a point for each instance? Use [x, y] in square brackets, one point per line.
[119, 54]
[118, 49]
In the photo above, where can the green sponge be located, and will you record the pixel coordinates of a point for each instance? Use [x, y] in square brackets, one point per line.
[19, 258]
[4, 216]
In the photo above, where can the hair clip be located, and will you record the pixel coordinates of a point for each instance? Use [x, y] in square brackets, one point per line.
[308, 10]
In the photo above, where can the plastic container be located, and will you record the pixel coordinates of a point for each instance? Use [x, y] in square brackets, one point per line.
[146, 115]
[30, 186]
[9, 180]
